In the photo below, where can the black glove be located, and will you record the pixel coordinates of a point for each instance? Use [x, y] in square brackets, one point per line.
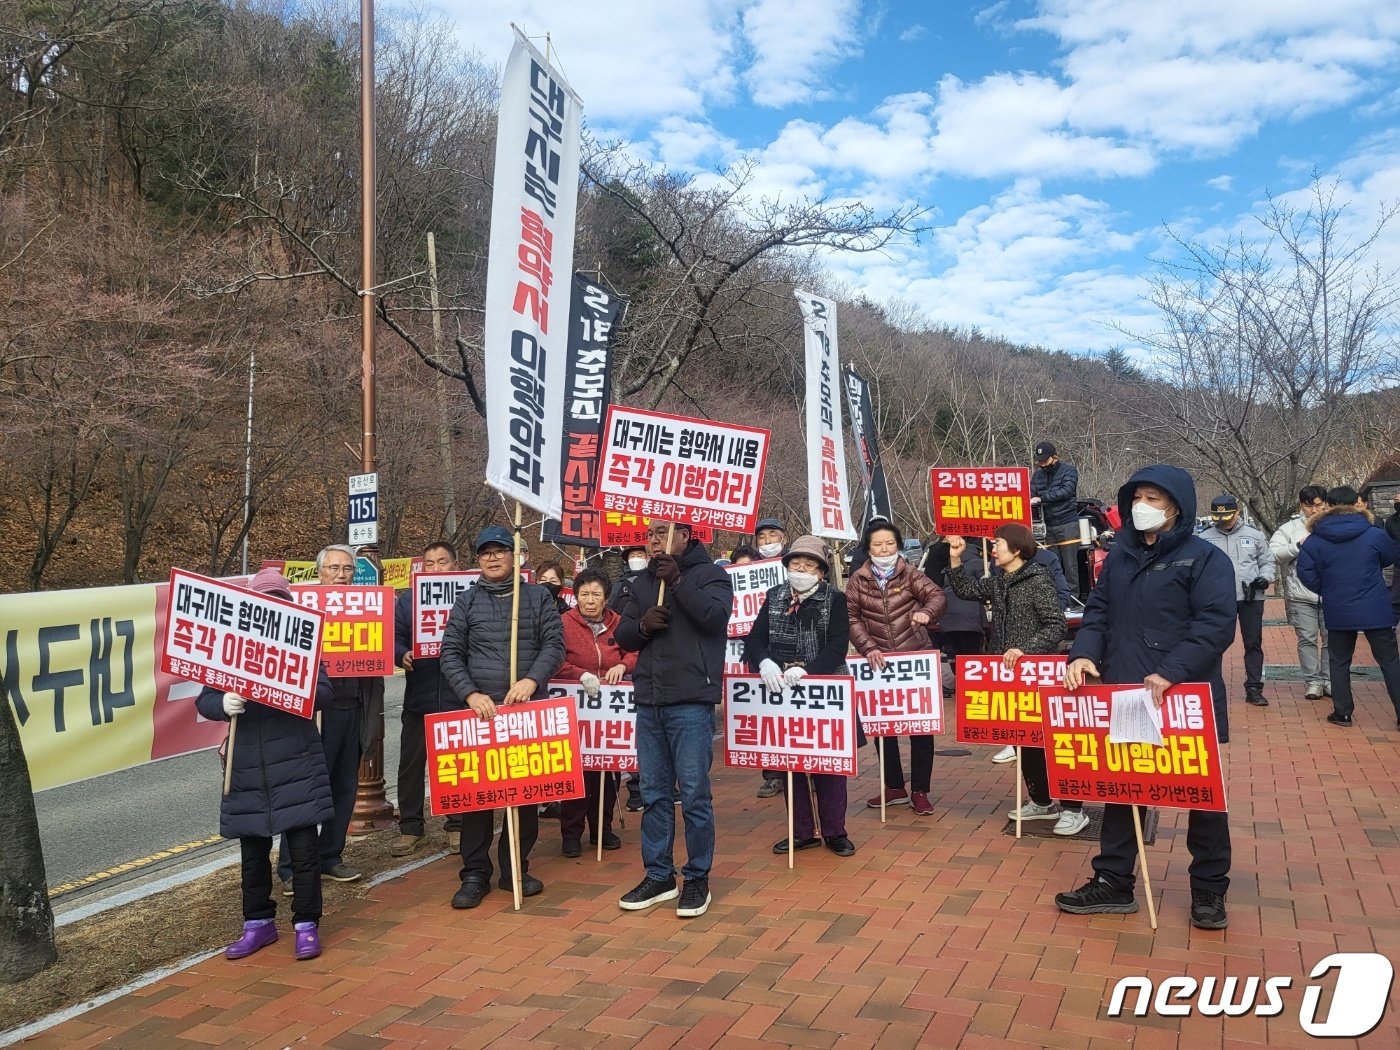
[655, 619]
[664, 567]
[1257, 587]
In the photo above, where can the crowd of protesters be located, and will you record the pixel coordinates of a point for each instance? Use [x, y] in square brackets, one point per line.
[1162, 608]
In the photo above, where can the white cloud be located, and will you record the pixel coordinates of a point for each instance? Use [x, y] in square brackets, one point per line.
[795, 45]
[913, 33]
[1223, 183]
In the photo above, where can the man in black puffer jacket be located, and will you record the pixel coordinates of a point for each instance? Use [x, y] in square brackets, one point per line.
[677, 685]
[476, 663]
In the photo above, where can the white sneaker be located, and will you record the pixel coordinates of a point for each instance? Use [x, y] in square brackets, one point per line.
[1006, 754]
[1071, 822]
[1035, 811]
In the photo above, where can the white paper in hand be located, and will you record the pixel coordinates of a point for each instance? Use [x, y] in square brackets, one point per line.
[1134, 719]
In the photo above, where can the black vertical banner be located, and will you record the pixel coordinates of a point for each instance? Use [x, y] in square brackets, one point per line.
[593, 314]
[877, 492]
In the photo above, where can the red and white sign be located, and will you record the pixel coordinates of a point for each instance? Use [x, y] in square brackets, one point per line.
[607, 725]
[264, 649]
[680, 469]
[1184, 773]
[734, 657]
[807, 728]
[751, 583]
[828, 501]
[434, 594]
[357, 632]
[1000, 705]
[976, 501]
[629, 530]
[904, 699]
[527, 754]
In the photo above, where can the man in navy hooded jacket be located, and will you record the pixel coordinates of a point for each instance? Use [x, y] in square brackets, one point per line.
[1162, 613]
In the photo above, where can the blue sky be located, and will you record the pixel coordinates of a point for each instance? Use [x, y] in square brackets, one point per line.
[1053, 141]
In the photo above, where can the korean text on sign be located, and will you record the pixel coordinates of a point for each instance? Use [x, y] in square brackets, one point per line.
[976, 501]
[630, 530]
[1000, 705]
[751, 583]
[806, 728]
[1184, 773]
[357, 632]
[905, 699]
[681, 469]
[607, 725]
[434, 594]
[262, 648]
[527, 754]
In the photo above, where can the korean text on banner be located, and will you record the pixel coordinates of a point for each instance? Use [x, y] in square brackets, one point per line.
[357, 632]
[527, 754]
[1184, 773]
[877, 490]
[630, 530]
[593, 313]
[807, 728]
[262, 648]
[905, 699]
[607, 725]
[680, 469]
[1000, 705]
[734, 657]
[751, 583]
[828, 499]
[434, 594]
[976, 501]
[527, 310]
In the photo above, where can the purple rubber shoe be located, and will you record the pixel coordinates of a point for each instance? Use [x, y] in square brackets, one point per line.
[308, 940]
[257, 934]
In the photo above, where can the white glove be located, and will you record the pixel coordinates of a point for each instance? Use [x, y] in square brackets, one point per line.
[234, 704]
[772, 676]
[591, 684]
[793, 675]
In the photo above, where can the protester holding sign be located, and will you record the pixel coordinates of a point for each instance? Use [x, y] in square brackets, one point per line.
[891, 607]
[680, 646]
[425, 692]
[593, 657]
[1026, 619]
[476, 660]
[1162, 612]
[803, 629]
[277, 786]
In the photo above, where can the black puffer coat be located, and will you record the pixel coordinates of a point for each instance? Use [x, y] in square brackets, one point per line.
[425, 690]
[476, 644]
[279, 770]
[1026, 611]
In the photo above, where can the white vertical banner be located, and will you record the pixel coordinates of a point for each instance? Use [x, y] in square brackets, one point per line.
[828, 498]
[529, 278]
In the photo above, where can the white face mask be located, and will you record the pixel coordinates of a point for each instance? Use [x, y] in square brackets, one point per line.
[770, 550]
[802, 582]
[636, 564]
[886, 563]
[1147, 518]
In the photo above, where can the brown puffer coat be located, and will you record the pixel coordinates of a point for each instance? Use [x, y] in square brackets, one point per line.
[882, 621]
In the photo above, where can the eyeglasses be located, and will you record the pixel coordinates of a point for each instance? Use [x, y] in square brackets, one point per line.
[338, 570]
[493, 552]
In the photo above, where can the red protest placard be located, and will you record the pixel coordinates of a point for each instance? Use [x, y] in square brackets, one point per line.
[607, 725]
[357, 627]
[1000, 705]
[629, 530]
[905, 699]
[976, 501]
[807, 728]
[734, 657]
[434, 594]
[680, 469]
[264, 649]
[527, 754]
[1184, 773]
[751, 583]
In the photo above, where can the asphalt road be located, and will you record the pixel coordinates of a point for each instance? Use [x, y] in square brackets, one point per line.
[99, 825]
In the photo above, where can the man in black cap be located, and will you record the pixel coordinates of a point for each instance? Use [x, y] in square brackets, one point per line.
[1249, 552]
[476, 662]
[1055, 488]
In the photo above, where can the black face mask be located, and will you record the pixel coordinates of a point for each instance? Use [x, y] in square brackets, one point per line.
[554, 588]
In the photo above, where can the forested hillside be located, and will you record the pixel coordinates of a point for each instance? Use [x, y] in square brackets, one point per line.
[179, 213]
